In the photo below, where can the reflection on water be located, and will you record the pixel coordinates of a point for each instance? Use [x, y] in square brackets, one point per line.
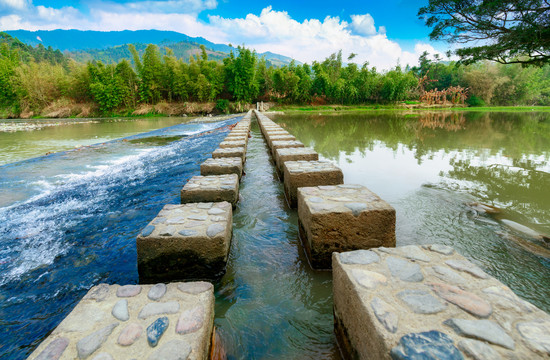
[432, 166]
[39, 137]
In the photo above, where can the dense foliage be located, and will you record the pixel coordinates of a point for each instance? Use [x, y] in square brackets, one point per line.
[34, 78]
[506, 31]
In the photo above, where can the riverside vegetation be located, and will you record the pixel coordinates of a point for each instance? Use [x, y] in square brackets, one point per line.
[38, 81]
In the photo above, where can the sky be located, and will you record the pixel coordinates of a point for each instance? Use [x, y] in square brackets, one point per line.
[383, 33]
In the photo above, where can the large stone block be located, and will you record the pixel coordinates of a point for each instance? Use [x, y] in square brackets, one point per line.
[173, 321]
[188, 241]
[342, 218]
[308, 173]
[214, 188]
[293, 154]
[271, 138]
[284, 144]
[233, 144]
[222, 166]
[429, 302]
[239, 152]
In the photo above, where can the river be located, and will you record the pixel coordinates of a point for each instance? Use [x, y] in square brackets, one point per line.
[69, 219]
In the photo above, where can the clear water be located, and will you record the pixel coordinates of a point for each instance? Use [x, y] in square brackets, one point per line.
[69, 220]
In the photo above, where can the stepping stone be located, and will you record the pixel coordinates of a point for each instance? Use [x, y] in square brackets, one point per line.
[85, 335]
[222, 166]
[236, 137]
[234, 144]
[299, 174]
[239, 152]
[383, 311]
[192, 242]
[213, 188]
[342, 218]
[277, 137]
[293, 154]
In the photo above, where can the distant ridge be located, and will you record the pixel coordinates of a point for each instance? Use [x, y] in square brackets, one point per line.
[80, 41]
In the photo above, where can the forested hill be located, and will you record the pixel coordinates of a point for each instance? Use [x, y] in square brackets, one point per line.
[107, 46]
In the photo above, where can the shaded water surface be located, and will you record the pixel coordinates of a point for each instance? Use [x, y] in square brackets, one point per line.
[432, 166]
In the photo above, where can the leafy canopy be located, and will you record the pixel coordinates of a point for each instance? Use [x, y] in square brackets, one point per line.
[506, 31]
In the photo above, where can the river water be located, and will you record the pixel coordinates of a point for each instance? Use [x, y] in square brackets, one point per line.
[69, 219]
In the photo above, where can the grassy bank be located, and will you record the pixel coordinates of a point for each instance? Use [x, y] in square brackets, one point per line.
[333, 109]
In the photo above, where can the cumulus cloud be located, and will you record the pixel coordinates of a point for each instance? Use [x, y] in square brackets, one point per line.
[271, 30]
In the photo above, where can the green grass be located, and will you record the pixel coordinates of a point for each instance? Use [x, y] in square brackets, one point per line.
[326, 109]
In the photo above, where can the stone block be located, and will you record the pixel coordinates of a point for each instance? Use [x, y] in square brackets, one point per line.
[222, 166]
[293, 154]
[214, 188]
[308, 173]
[342, 218]
[284, 144]
[277, 137]
[415, 302]
[233, 144]
[239, 152]
[188, 241]
[173, 321]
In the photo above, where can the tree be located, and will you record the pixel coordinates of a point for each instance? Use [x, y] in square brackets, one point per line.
[506, 31]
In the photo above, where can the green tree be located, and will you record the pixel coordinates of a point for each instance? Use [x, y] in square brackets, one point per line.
[506, 31]
[240, 74]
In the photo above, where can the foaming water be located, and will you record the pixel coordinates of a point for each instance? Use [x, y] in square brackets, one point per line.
[72, 218]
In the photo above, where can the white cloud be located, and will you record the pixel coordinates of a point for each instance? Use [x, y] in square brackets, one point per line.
[363, 24]
[11, 5]
[271, 30]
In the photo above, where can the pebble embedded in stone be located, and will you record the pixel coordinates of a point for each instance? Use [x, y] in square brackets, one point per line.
[128, 291]
[485, 330]
[430, 345]
[227, 187]
[448, 275]
[327, 187]
[156, 292]
[204, 205]
[86, 346]
[120, 310]
[176, 220]
[167, 231]
[176, 349]
[413, 252]
[359, 257]
[442, 249]
[467, 301]
[217, 218]
[368, 279]
[195, 288]
[215, 229]
[536, 334]
[156, 330]
[385, 314]
[478, 350]
[404, 270]
[503, 294]
[148, 230]
[192, 224]
[421, 302]
[466, 266]
[103, 356]
[216, 211]
[356, 207]
[54, 350]
[158, 308]
[130, 334]
[198, 217]
[188, 232]
[161, 220]
[190, 320]
[98, 293]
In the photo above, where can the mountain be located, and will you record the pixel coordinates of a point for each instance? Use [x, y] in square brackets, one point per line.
[86, 45]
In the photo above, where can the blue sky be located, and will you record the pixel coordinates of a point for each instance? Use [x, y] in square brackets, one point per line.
[383, 33]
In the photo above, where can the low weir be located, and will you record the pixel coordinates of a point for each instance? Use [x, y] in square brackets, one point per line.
[390, 302]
